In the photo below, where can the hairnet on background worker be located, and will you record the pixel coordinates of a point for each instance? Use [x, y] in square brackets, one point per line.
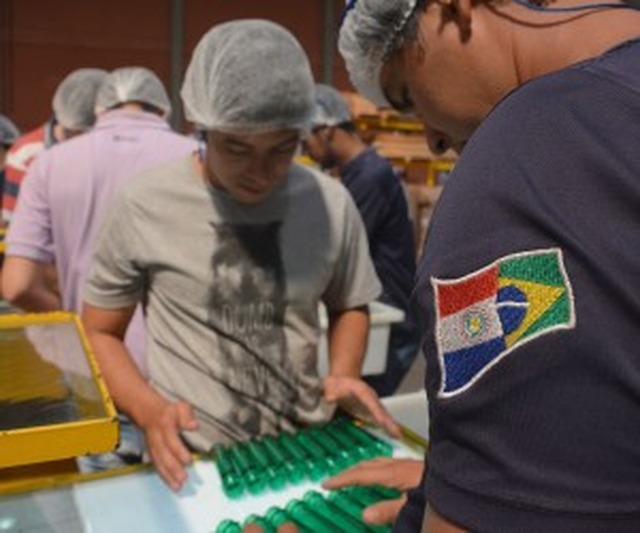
[331, 108]
[8, 131]
[369, 35]
[132, 84]
[226, 87]
[74, 99]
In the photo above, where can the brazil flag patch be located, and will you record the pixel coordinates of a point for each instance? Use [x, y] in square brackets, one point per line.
[484, 316]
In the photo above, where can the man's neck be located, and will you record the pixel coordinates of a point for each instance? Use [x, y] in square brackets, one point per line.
[347, 147]
[574, 37]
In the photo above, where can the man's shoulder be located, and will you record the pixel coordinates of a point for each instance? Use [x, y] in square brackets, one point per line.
[371, 164]
[151, 193]
[305, 177]
[36, 135]
[307, 184]
[147, 128]
[165, 178]
[180, 142]
[602, 76]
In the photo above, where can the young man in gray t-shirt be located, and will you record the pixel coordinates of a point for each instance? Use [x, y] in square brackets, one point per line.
[231, 252]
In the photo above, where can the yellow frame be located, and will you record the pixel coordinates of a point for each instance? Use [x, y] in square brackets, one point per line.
[60, 441]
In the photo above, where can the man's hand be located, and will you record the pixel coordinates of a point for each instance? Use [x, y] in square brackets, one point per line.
[356, 397]
[401, 474]
[162, 427]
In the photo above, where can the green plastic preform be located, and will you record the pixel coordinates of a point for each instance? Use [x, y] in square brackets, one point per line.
[346, 505]
[347, 442]
[360, 499]
[262, 522]
[277, 517]
[307, 464]
[255, 478]
[317, 453]
[232, 484]
[284, 460]
[229, 526]
[385, 493]
[304, 515]
[332, 449]
[367, 439]
[332, 513]
[276, 478]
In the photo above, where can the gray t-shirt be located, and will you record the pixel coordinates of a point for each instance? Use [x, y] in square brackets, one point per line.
[231, 292]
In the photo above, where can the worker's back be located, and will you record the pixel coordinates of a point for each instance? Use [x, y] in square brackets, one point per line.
[68, 189]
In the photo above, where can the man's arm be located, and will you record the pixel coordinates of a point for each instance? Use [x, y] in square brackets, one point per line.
[27, 284]
[160, 419]
[348, 332]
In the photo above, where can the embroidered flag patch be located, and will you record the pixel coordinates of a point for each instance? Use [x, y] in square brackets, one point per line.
[486, 315]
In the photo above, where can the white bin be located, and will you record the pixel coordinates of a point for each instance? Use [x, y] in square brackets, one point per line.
[410, 410]
[375, 359]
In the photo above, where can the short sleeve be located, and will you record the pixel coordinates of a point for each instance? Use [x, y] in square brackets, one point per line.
[116, 276]
[30, 233]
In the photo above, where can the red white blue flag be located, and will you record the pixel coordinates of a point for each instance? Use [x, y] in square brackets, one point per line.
[486, 315]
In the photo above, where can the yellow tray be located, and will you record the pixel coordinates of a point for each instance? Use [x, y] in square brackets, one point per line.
[53, 402]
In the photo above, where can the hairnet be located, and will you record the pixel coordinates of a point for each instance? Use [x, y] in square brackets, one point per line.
[368, 35]
[74, 100]
[132, 84]
[249, 75]
[9, 133]
[331, 108]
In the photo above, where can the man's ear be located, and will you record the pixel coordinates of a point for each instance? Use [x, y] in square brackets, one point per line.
[459, 12]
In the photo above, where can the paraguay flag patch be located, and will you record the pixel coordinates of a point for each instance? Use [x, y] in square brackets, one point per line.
[485, 315]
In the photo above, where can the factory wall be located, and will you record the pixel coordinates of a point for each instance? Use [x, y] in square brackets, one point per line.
[42, 40]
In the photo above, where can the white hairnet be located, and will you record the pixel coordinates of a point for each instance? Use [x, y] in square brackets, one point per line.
[331, 107]
[367, 37]
[132, 84]
[74, 99]
[9, 133]
[249, 75]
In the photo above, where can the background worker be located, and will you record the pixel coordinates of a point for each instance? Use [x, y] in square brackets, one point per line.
[526, 285]
[73, 113]
[377, 191]
[65, 196]
[232, 250]
[9, 134]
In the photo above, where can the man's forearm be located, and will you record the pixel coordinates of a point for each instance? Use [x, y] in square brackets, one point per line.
[348, 333]
[129, 389]
[38, 299]
[30, 285]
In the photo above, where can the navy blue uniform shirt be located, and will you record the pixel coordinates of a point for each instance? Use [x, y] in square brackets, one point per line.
[530, 293]
[379, 196]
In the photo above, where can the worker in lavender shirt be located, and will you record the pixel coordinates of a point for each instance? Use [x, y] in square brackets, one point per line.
[67, 191]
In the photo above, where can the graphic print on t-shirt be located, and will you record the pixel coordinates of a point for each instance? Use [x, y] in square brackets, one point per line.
[487, 314]
[248, 304]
